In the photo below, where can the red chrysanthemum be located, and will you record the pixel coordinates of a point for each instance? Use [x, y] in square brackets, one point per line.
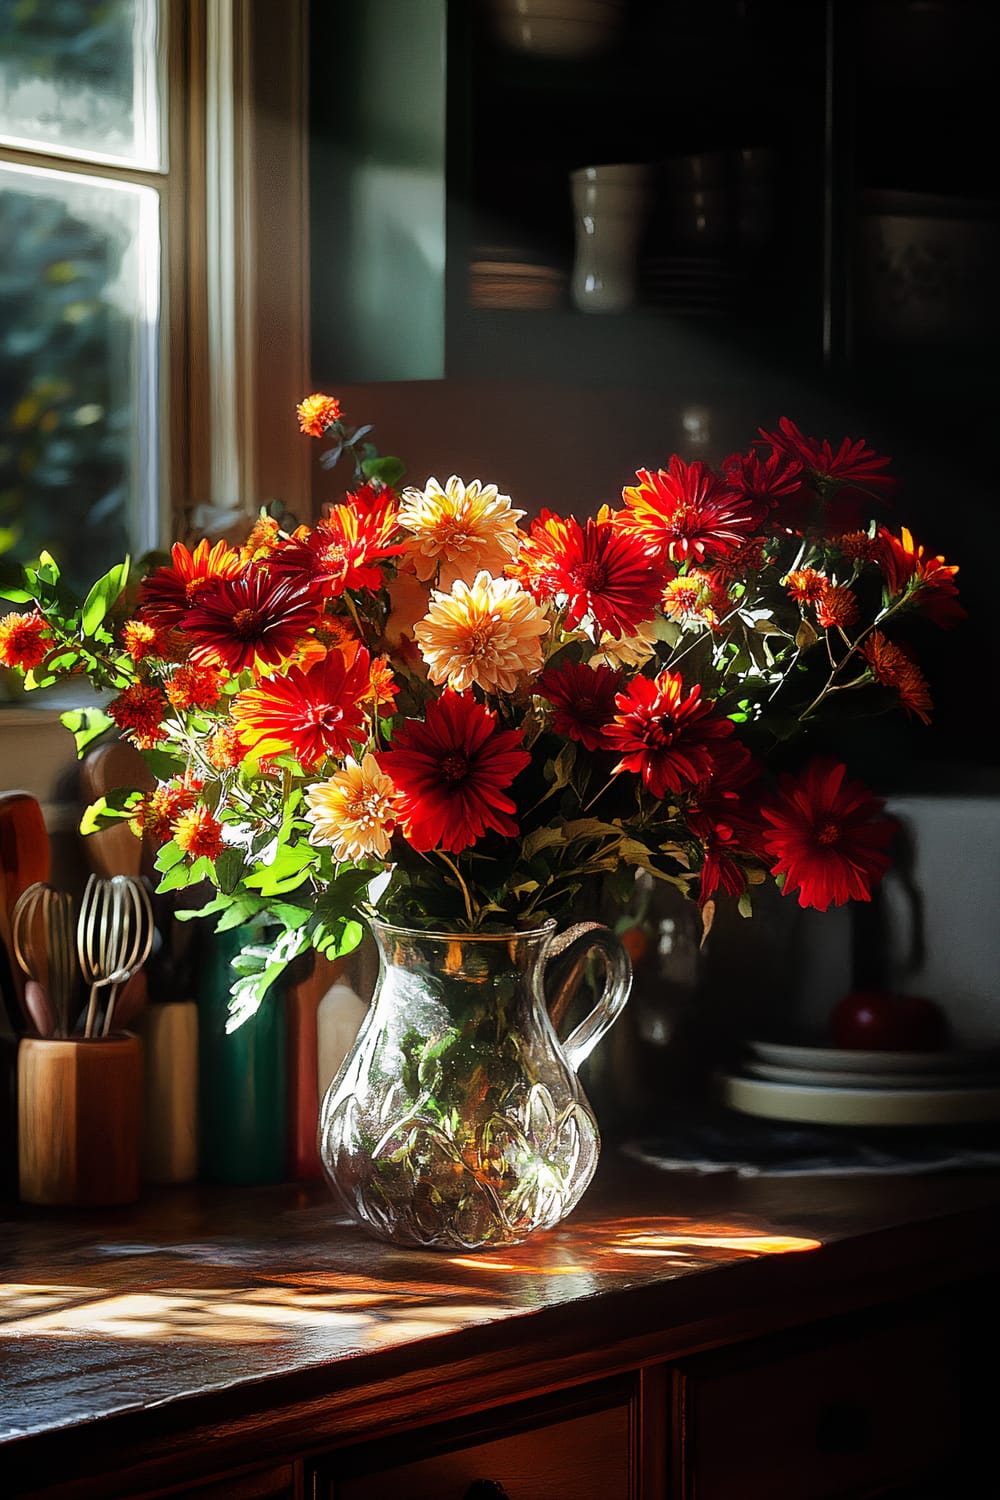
[828, 837]
[853, 463]
[452, 773]
[725, 821]
[583, 699]
[597, 569]
[931, 581]
[316, 413]
[770, 483]
[139, 712]
[666, 736]
[25, 640]
[687, 512]
[253, 621]
[166, 595]
[309, 715]
[199, 833]
[846, 480]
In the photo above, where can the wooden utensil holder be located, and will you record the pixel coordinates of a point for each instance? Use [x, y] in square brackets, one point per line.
[79, 1120]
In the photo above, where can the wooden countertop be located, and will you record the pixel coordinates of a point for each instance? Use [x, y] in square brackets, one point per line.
[232, 1318]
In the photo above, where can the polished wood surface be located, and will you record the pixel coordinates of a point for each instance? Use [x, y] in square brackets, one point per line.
[205, 1329]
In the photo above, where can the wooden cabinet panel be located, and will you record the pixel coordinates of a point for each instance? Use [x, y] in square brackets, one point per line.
[585, 1457]
[840, 1415]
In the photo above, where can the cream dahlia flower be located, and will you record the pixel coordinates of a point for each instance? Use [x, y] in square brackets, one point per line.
[353, 810]
[488, 634]
[459, 530]
[626, 651]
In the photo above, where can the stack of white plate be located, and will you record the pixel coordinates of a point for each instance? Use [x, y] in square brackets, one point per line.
[688, 285]
[830, 1086]
[495, 282]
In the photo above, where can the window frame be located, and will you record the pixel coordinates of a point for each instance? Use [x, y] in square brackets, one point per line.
[233, 219]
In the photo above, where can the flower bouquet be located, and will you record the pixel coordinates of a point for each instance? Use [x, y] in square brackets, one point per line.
[429, 708]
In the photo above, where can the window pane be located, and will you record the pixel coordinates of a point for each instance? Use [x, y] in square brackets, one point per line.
[82, 77]
[79, 309]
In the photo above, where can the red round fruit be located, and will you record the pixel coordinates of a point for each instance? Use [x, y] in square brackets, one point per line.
[635, 942]
[884, 1021]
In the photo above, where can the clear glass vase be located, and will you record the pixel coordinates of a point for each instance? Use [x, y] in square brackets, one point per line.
[457, 1120]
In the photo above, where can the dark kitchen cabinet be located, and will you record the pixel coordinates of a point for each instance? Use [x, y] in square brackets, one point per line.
[846, 223]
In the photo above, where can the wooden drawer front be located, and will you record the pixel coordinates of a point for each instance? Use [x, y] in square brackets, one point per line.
[580, 1458]
[823, 1420]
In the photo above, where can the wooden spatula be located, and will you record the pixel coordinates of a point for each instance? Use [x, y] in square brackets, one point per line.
[106, 768]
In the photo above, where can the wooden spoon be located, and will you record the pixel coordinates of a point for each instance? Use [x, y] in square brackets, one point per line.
[105, 769]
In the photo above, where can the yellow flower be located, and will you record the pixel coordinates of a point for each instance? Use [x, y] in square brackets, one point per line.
[461, 529]
[487, 634]
[353, 811]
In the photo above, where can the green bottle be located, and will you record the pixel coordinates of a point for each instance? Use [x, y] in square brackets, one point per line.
[243, 1075]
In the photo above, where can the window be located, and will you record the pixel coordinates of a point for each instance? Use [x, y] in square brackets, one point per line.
[84, 177]
[152, 284]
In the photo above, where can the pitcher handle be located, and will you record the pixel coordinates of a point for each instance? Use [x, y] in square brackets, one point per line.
[584, 938]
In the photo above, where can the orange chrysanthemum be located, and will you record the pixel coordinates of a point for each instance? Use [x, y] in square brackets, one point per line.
[141, 639]
[858, 545]
[353, 811]
[139, 712]
[805, 585]
[309, 715]
[837, 607]
[892, 667]
[166, 595]
[156, 813]
[488, 634]
[194, 685]
[262, 541]
[199, 833]
[695, 597]
[316, 413]
[458, 531]
[25, 640]
[382, 686]
[225, 749]
[930, 581]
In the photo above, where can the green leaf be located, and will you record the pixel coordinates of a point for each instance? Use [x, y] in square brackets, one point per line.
[17, 596]
[168, 855]
[229, 869]
[86, 725]
[259, 967]
[109, 810]
[389, 470]
[102, 596]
